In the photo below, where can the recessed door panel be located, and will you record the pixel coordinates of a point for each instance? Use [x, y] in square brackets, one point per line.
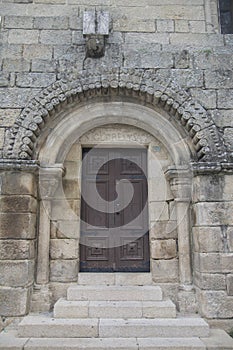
[114, 213]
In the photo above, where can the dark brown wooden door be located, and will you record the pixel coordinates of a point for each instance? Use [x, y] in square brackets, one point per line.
[114, 217]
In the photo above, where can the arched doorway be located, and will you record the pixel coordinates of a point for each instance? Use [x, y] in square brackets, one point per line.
[107, 126]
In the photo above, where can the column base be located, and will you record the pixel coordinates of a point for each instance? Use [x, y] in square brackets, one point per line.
[41, 298]
[187, 303]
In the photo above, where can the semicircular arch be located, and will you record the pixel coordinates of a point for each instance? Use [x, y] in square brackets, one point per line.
[144, 86]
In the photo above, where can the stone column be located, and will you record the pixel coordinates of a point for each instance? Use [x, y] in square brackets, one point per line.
[49, 178]
[18, 207]
[181, 185]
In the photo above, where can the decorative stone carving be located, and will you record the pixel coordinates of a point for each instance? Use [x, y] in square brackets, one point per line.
[148, 86]
[118, 133]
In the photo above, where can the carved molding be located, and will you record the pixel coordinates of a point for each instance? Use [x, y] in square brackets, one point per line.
[149, 86]
[117, 133]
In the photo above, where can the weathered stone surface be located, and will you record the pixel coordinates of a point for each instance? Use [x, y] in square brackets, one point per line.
[213, 213]
[51, 23]
[16, 65]
[136, 38]
[114, 293]
[63, 249]
[8, 116]
[218, 339]
[66, 210]
[221, 78]
[208, 98]
[163, 229]
[225, 98]
[209, 239]
[215, 304]
[165, 25]
[182, 59]
[71, 188]
[42, 326]
[2, 133]
[14, 301]
[196, 39]
[54, 37]
[212, 188]
[133, 25]
[16, 98]
[18, 204]
[181, 26]
[63, 270]
[37, 51]
[16, 273]
[39, 65]
[210, 281]
[10, 341]
[17, 249]
[229, 279]
[165, 270]
[213, 262]
[67, 229]
[163, 249]
[17, 183]
[147, 57]
[24, 22]
[35, 79]
[197, 26]
[12, 51]
[17, 225]
[159, 211]
[228, 135]
[229, 235]
[23, 36]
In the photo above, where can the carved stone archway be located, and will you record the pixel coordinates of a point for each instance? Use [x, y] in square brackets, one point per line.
[145, 86]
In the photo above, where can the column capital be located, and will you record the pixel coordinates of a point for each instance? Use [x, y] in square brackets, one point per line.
[180, 179]
[49, 178]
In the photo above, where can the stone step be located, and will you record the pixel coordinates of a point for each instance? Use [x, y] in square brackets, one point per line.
[47, 327]
[118, 293]
[146, 328]
[117, 344]
[117, 309]
[218, 340]
[116, 278]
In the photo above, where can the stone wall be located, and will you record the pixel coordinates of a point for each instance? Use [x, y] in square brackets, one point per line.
[17, 241]
[43, 42]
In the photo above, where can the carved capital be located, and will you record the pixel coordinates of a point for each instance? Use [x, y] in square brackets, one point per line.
[180, 179]
[49, 179]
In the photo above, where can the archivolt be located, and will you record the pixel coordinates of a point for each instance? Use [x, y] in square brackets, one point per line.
[146, 85]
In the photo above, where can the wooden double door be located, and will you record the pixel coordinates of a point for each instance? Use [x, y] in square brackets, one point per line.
[114, 211]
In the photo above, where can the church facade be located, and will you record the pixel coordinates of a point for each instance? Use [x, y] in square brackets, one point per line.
[116, 150]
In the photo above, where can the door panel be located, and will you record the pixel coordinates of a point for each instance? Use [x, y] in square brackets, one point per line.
[114, 237]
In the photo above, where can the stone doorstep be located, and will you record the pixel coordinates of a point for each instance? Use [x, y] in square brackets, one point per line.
[134, 279]
[116, 309]
[121, 293]
[218, 340]
[47, 327]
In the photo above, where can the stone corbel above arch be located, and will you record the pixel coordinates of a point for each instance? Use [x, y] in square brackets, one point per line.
[150, 87]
